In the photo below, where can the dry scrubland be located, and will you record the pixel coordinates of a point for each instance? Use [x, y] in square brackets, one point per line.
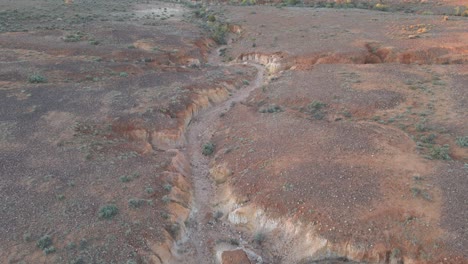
[253, 132]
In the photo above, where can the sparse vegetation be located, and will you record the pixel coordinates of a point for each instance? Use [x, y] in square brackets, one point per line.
[280, 161]
[37, 78]
[462, 141]
[316, 109]
[219, 33]
[440, 152]
[217, 215]
[271, 109]
[125, 178]
[381, 7]
[174, 230]
[49, 250]
[149, 190]
[259, 238]
[136, 203]
[167, 187]
[45, 244]
[211, 18]
[208, 149]
[27, 237]
[74, 37]
[108, 211]
[166, 199]
[417, 192]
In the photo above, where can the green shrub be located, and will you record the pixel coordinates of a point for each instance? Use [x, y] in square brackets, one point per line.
[108, 211]
[37, 78]
[292, 2]
[167, 187]
[166, 199]
[74, 37]
[271, 109]
[219, 33]
[429, 139]
[174, 230]
[27, 237]
[135, 202]
[49, 250]
[248, 2]
[259, 238]
[381, 7]
[211, 18]
[462, 141]
[125, 178]
[440, 152]
[208, 149]
[315, 106]
[421, 127]
[44, 242]
[149, 190]
[417, 192]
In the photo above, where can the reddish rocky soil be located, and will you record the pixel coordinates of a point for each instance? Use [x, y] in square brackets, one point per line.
[339, 138]
[339, 134]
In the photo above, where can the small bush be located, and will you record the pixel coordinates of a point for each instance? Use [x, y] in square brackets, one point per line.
[208, 149]
[217, 215]
[74, 37]
[248, 2]
[319, 115]
[315, 106]
[125, 178]
[429, 139]
[78, 260]
[167, 187]
[108, 211]
[396, 253]
[123, 74]
[234, 242]
[49, 250]
[271, 109]
[421, 127]
[421, 193]
[316, 109]
[166, 199]
[381, 7]
[219, 33]
[292, 2]
[440, 152]
[174, 230]
[259, 238]
[27, 237]
[149, 190]
[135, 202]
[37, 78]
[211, 18]
[44, 242]
[462, 141]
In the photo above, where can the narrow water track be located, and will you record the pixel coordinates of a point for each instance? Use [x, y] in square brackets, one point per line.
[196, 247]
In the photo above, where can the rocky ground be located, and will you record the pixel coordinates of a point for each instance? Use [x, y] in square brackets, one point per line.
[297, 132]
